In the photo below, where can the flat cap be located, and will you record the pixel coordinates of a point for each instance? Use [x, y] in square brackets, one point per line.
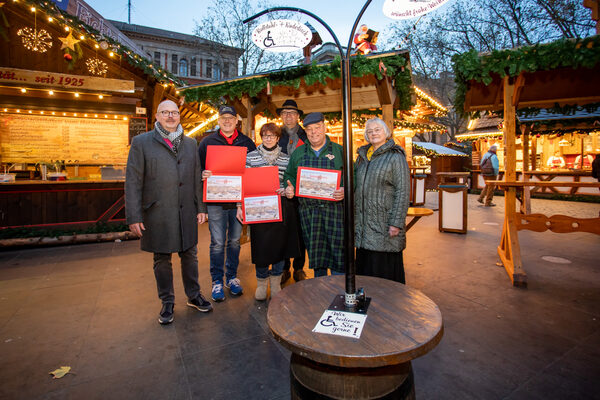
[227, 110]
[313, 118]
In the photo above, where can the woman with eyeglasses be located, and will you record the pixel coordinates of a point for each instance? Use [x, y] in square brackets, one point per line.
[381, 203]
[273, 242]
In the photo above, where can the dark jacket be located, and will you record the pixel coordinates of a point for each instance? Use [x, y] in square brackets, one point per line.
[596, 167]
[216, 139]
[284, 140]
[381, 197]
[163, 190]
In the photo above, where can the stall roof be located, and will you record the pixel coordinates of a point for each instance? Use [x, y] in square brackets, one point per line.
[545, 115]
[439, 150]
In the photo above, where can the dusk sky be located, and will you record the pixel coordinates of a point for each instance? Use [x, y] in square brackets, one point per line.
[179, 15]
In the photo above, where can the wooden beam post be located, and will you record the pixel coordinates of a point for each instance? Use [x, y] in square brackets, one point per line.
[387, 115]
[526, 200]
[509, 249]
[248, 120]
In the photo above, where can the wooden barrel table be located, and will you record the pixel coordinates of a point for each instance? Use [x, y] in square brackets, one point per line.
[402, 324]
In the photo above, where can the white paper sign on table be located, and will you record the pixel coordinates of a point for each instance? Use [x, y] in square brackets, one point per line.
[341, 323]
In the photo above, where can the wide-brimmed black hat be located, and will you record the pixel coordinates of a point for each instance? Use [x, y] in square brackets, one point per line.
[290, 105]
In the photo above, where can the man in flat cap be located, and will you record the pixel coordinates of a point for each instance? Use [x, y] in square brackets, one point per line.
[225, 229]
[322, 220]
[163, 205]
[292, 136]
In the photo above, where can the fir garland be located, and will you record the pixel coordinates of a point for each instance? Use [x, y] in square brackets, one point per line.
[572, 53]
[311, 74]
[360, 117]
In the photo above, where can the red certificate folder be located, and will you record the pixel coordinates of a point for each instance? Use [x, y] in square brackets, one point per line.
[228, 164]
[261, 202]
[317, 183]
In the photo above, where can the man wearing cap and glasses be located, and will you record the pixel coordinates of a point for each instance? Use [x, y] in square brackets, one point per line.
[322, 220]
[163, 205]
[225, 229]
[292, 136]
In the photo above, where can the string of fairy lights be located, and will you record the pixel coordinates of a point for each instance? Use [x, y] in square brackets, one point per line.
[25, 111]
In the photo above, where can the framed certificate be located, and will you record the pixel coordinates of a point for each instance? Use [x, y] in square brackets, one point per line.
[261, 209]
[223, 188]
[317, 183]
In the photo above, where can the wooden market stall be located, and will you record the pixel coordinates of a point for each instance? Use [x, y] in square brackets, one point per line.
[432, 158]
[71, 101]
[573, 137]
[381, 86]
[561, 75]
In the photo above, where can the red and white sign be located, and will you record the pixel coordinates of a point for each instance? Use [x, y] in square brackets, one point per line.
[406, 9]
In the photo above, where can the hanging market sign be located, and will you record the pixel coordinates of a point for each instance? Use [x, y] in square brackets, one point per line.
[29, 78]
[406, 9]
[281, 35]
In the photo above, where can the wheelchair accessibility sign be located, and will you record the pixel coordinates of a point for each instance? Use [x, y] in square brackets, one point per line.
[341, 323]
[281, 35]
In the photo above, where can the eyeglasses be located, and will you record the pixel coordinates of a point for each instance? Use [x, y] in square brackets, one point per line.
[374, 130]
[268, 136]
[289, 114]
[169, 113]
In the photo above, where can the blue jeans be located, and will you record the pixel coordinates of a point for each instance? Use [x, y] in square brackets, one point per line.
[262, 271]
[225, 231]
[323, 272]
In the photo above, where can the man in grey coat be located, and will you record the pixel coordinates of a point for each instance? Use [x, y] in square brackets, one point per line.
[163, 203]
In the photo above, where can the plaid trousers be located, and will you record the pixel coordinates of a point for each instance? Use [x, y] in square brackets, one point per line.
[323, 234]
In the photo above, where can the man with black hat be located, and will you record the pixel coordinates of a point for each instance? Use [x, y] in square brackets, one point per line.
[322, 220]
[292, 136]
[225, 229]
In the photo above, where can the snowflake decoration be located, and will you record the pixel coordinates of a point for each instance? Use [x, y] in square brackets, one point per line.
[34, 40]
[96, 66]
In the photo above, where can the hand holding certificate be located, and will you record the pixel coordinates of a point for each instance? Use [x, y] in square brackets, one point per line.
[261, 201]
[316, 183]
[227, 165]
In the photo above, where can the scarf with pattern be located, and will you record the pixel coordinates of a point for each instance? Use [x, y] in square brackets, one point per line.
[174, 137]
[270, 156]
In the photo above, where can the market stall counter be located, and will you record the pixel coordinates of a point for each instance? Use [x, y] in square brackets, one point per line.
[75, 204]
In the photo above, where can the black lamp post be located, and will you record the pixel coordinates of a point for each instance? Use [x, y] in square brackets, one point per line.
[352, 300]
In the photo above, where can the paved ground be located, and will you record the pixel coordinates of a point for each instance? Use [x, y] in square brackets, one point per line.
[94, 308]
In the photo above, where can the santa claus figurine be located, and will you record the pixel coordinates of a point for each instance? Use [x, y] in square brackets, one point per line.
[361, 39]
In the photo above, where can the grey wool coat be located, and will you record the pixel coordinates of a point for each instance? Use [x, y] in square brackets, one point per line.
[164, 192]
[381, 197]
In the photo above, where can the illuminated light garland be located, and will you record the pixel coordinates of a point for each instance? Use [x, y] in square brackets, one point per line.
[34, 40]
[96, 66]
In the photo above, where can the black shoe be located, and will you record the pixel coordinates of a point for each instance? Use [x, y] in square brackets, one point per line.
[490, 205]
[166, 314]
[480, 200]
[285, 276]
[299, 275]
[200, 304]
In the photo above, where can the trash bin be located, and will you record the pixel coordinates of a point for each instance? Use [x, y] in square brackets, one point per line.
[452, 188]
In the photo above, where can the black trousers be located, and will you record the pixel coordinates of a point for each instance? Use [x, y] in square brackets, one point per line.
[163, 272]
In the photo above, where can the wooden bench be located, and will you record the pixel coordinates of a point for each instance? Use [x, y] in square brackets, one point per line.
[509, 249]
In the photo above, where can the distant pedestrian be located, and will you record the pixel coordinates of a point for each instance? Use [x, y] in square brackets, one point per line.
[596, 167]
[490, 167]
[225, 229]
[292, 136]
[163, 204]
[272, 242]
[381, 203]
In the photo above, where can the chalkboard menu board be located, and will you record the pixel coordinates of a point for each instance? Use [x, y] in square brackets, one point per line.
[40, 138]
[137, 125]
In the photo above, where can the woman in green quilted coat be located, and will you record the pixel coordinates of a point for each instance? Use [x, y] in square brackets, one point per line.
[381, 202]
